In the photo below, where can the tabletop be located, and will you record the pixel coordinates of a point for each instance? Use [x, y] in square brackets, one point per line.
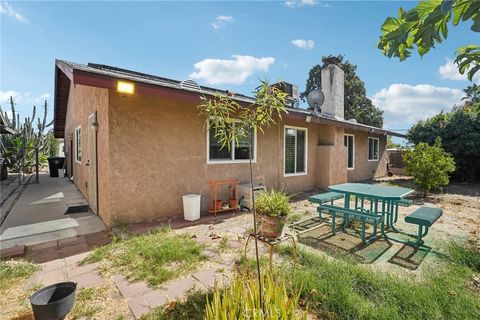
[372, 190]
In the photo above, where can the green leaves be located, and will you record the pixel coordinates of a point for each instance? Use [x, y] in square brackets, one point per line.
[273, 203]
[239, 300]
[426, 25]
[222, 112]
[468, 60]
[460, 134]
[429, 165]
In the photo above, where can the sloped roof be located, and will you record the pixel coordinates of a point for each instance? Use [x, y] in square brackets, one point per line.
[102, 75]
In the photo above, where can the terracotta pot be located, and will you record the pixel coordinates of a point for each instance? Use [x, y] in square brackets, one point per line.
[232, 203]
[270, 227]
[217, 204]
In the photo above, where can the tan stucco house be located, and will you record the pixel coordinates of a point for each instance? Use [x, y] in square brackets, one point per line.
[135, 143]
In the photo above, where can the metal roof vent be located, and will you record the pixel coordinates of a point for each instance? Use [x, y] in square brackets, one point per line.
[190, 84]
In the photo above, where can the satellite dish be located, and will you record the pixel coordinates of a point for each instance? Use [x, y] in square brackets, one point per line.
[315, 99]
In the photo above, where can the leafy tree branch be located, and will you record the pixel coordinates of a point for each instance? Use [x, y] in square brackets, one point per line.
[425, 25]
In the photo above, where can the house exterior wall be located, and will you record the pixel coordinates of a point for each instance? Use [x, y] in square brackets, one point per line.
[83, 101]
[158, 150]
[363, 168]
[153, 150]
[331, 165]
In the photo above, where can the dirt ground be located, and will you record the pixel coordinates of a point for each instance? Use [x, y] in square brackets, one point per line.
[460, 222]
[225, 241]
[460, 203]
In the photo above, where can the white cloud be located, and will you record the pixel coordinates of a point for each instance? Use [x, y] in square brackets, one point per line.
[303, 44]
[221, 21]
[41, 98]
[7, 9]
[449, 71]
[300, 3]
[230, 71]
[406, 104]
[5, 96]
[25, 98]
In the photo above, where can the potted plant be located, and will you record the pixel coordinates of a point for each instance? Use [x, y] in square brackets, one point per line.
[233, 203]
[272, 208]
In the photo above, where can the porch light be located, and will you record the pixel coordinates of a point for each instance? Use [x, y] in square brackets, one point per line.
[125, 87]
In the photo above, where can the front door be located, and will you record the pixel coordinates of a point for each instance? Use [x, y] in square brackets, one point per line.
[92, 161]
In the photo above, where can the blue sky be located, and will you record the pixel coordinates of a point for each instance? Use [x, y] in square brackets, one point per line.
[225, 45]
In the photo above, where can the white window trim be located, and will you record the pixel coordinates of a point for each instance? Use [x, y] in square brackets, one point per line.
[306, 152]
[232, 149]
[368, 149]
[353, 150]
[76, 143]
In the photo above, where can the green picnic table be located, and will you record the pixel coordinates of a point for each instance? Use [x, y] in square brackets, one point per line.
[378, 205]
[389, 197]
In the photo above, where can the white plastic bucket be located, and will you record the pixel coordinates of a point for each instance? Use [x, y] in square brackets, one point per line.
[191, 207]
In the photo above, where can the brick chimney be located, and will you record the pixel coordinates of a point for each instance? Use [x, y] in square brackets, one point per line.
[333, 79]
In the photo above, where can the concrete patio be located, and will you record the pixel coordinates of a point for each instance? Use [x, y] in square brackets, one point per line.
[38, 215]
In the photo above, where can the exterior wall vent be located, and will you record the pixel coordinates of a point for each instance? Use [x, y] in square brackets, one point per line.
[190, 84]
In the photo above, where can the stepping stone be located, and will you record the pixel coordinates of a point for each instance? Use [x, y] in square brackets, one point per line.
[75, 270]
[144, 303]
[51, 277]
[129, 289]
[237, 230]
[88, 280]
[207, 277]
[235, 244]
[177, 289]
[210, 254]
[76, 259]
[53, 265]
[138, 309]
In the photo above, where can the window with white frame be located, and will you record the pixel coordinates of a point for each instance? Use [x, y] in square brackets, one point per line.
[238, 151]
[295, 150]
[373, 144]
[78, 144]
[349, 143]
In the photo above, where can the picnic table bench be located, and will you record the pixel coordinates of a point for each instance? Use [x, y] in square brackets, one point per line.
[375, 205]
[424, 217]
[326, 197]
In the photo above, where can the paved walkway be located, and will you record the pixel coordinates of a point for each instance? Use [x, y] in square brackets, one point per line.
[139, 297]
[39, 214]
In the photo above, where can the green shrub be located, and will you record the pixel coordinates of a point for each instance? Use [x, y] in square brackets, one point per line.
[430, 166]
[459, 130]
[273, 203]
[241, 300]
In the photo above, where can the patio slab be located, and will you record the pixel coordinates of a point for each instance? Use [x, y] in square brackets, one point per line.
[38, 216]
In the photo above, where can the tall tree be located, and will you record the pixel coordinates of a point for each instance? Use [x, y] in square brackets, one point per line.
[472, 94]
[357, 105]
[427, 24]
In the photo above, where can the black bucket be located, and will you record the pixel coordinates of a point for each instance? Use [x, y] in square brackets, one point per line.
[53, 302]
